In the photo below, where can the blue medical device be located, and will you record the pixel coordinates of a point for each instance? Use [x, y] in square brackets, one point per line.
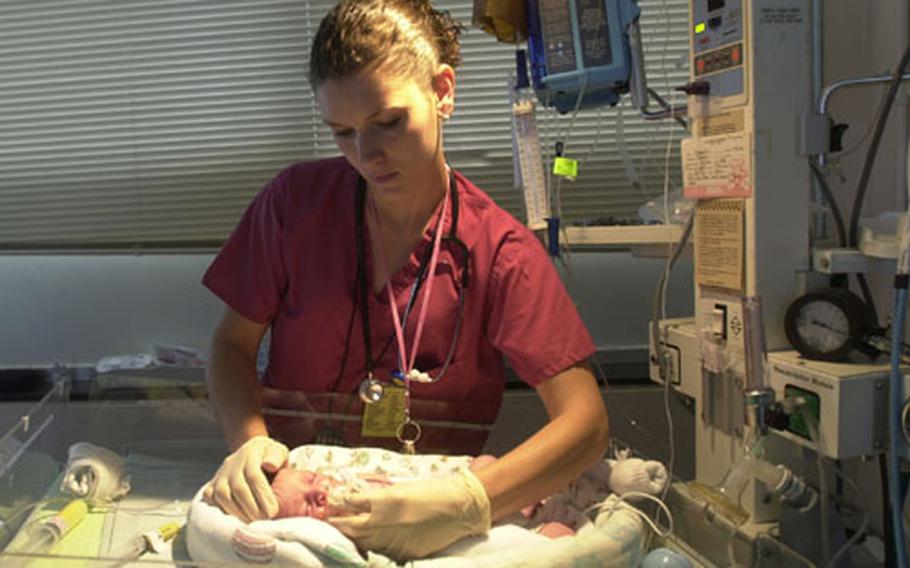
[580, 48]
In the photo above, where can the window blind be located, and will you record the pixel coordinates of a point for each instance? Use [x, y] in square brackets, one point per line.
[153, 123]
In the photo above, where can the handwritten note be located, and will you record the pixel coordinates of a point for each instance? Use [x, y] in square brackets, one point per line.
[717, 166]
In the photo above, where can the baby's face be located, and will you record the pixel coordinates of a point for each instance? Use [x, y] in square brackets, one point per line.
[302, 493]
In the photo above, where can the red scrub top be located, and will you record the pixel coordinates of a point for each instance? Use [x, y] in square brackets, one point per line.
[292, 262]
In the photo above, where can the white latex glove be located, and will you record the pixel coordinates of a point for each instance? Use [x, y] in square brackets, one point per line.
[635, 474]
[240, 486]
[412, 520]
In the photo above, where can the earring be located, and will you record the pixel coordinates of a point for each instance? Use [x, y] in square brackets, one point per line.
[444, 109]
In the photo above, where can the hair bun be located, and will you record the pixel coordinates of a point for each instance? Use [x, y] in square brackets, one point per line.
[359, 33]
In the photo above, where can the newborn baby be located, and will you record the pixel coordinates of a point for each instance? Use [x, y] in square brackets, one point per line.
[304, 493]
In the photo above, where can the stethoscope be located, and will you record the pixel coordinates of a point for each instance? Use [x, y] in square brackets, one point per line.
[371, 389]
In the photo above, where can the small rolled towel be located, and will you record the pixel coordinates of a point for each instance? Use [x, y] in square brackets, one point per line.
[96, 474]
[635, 474]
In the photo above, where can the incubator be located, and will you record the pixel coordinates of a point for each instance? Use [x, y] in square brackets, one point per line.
[152, 442]
[112, 477]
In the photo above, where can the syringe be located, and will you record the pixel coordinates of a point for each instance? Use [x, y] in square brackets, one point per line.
[151, 541]
[44, 534]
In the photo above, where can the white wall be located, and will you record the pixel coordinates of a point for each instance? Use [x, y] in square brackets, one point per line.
[76, 309]
[614, 293]
[73, 310]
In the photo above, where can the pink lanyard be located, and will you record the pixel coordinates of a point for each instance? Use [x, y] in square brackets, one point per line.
[399, 331]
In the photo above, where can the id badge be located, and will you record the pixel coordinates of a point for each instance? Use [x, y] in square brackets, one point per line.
[382, 419]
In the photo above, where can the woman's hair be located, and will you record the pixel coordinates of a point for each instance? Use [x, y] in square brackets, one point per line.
[410, 36]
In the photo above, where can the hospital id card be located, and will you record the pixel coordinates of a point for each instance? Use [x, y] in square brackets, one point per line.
[382, 419]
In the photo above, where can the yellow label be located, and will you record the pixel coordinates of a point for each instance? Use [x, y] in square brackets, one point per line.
[724, 123]
[382, 419]
[566, 167]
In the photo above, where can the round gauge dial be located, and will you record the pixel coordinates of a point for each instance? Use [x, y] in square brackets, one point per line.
[826, 324]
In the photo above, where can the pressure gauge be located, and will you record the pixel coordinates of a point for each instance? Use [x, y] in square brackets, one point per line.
[826, 324]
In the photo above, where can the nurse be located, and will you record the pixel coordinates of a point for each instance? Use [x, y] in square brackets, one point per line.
[385, 263]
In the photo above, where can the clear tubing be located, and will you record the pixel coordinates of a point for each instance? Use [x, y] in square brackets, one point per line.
[732, 487]
[750, 466]
[739, 475]
[755, 343]
[769, 474]
[861, 530]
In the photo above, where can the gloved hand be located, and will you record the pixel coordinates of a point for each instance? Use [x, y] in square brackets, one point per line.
[240, 486]
[412, 520]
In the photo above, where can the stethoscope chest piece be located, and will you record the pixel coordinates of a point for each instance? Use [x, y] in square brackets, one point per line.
[370, 390]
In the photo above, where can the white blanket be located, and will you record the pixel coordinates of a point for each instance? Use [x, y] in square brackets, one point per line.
[614, 539]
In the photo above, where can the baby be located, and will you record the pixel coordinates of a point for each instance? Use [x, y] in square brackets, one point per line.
[304, 493]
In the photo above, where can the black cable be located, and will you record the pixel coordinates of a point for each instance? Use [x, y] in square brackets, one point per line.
[882, 118]
[347, 336]
[832, 203]
[859, 198]
[344, 354]
[359, 205]
[362, 276]
[660, 100]
[837, 280]
[344, 363]
[868, 299]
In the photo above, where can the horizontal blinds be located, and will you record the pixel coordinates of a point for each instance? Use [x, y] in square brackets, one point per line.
[153, 123]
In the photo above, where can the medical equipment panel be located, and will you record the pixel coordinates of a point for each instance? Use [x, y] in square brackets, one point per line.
[719, 49]
[679, 361]
[849, 400]
[579, 51]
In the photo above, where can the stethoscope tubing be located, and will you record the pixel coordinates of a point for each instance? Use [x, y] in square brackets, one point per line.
[418, 281]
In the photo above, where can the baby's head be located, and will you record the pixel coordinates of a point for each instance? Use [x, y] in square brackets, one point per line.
[305, 493]
[302, 493]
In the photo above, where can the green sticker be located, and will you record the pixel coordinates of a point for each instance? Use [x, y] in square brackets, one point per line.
[565, 167]
[798, 424]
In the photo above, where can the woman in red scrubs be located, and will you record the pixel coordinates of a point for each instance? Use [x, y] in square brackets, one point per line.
[386, 266]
